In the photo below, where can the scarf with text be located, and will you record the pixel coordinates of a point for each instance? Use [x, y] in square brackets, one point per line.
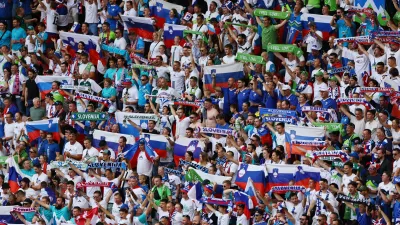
[65, 164]
[272, 14]
[216, 201]
[212, 130]
[107, 165]
[376, 89]
[342, 197]
[194, 165]
[358, 39]
[288, 188]
[339, 70]
[92, 184]
[172, 171]
[23, 209]
[350, 101]
[187, 103]
[309, 143]
[103, 101]
[335, 153]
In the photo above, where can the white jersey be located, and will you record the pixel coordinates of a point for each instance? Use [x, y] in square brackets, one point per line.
[51, 21]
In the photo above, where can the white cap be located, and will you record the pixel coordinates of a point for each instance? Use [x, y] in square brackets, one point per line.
[286, 87]
[324, 88]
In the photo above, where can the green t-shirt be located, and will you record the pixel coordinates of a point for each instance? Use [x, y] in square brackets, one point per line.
[111, 37]
[268, 36]
[332, 4]
[314, 3]
[163, 193]
[61, 214]
[57, 96]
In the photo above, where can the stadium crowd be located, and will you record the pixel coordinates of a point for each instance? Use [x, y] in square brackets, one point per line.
[258, 112]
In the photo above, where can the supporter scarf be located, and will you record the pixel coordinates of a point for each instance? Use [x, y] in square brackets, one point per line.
[211, 130]
[288, 188]
[221, 161]
[396, 180]
[334, 92]
[271, 13]
[313, 109]
[339, 70]
[301, 86]
[309, 143]
[107, 165]
[92, 184]
[394, 98]
[388, 39]
[250, 58]
[276, 115]
[185, 32]
[374, 34]
[138, 57]
[337, 164]
[376, 89]
[23, 209]
[65, 164]
[115, 50]
[350, 101]
[358, 39]
[336, 153]
[285, 48]
[187, 103]
[103, 101]
[194, 165]
[216, 201]
[139, 66]
[330, 127]
[342, 197]
[239, 25]
[172, 171]
[16, 85]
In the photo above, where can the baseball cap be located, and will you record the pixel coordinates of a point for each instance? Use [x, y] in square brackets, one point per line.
[57, 103]
[354, 155]
[112, 109]
[30, 28]
[285, 87]
[249, 155]
[333, 78]
[26, 180]
[127, 81]
[212, 51]
[107, 152]
[314, 47]
[362, 188]
[324, 88]
[319, 73]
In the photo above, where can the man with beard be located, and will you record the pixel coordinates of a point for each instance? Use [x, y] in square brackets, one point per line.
[62, 212]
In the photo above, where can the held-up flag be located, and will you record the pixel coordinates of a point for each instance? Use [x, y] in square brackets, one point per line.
[184, 144]
[112, 139]
[139, 25]
[171, 31]
[157, 142]
[257, 173]
[295, 134]
[50, 126]
[44, 84]
[133, 153]
[281, 175]
[160, 10]
[222, 74]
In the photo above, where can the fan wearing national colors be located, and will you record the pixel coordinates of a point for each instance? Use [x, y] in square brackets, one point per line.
[222, 214]
[60, 212]
[294, 206]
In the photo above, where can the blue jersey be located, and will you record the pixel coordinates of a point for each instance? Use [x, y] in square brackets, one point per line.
[113, 10]
[295, 29]
[242, 97]
[230, 98]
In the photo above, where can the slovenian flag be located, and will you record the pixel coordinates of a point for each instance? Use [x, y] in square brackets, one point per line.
[196, 192]
[321, 21]
[223, 73]
[6, 218]
[141, 119]
[197, 175]
[112, 139]
[141, 26]
[91, 214]
[14, 175]
[133, 153]
[160, 10]
[92, 46]
[171, 31]
[296, 133]
[243, 198]
[257, 173]
[50, 126]
[250, 190]
[157, 142]
[281, 175]
[44, 84]
[184, 144]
